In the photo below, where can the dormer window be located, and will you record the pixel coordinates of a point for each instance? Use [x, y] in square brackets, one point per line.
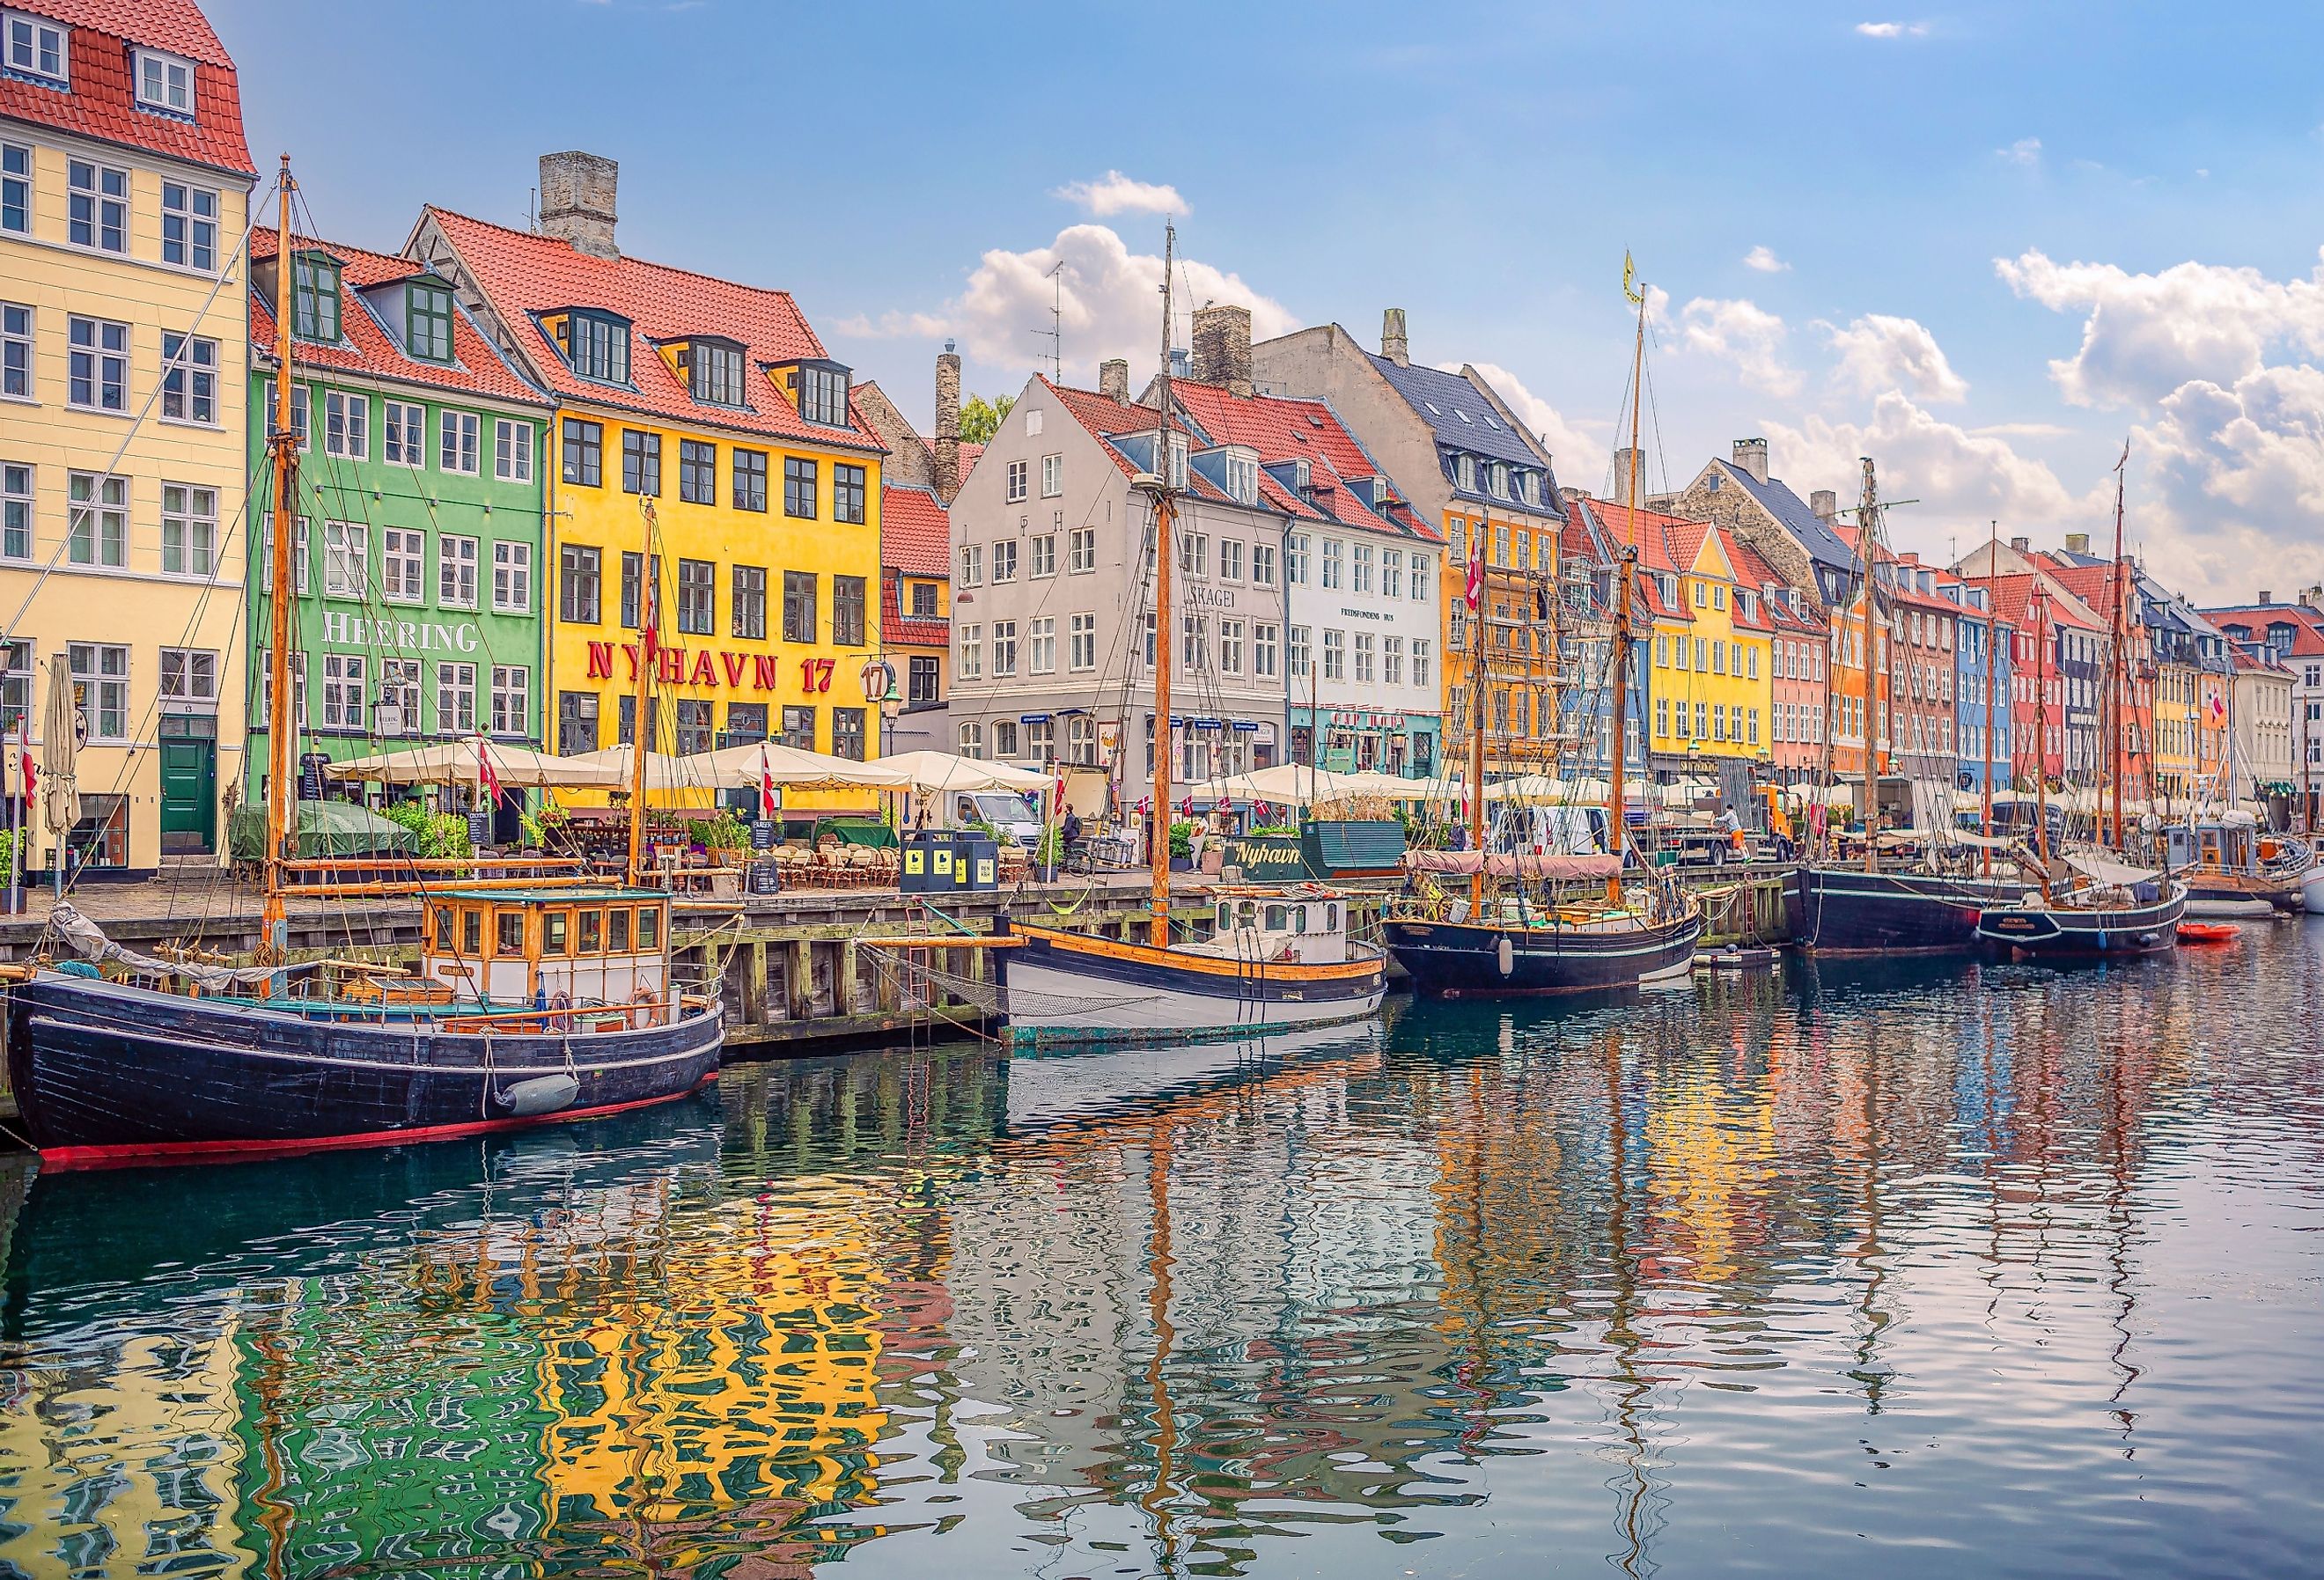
[165, 83]
[1464, 473]
[713, 370]
[36, 49]
[1529, 486]
[1177, 476]
[315, 297]
[1242, 477]
[822, 394]
[428, 320]
[597, 346]
[1500, 479]
[1303, 478]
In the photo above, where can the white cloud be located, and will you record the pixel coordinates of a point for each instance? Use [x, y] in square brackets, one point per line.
[2145, 335]
[1892, 29]
[1579, 454]
[2025, 151]
[1744, 334]
[2237, 484]
[1877, 353]
[1115, 193]
[1111, 304]
[1763, 260]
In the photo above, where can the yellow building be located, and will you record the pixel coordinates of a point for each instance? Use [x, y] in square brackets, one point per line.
[705, 413]
[1721, 678]
[124, 193]
[2176, 691]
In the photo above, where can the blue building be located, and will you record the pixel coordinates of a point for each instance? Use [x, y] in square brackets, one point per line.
[1981, 679]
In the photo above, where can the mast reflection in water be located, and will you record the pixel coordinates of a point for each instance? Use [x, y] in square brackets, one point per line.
[1939, 1269]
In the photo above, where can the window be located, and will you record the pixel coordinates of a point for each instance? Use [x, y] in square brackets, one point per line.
[1041, 646]
[823, 395]
[1004, 737]
[847, 501]
[189, 227]
[189, 679]
[1294, 560]
[165, 82]
[638, 583]
[1081, 641]
[972, 565]
[455, 698]
[697, 596]
[1081, 551]
[1662, 716]
[798, 487]
[847, 621]
[972, 740]
[343, 691]
[511, 578]
[972, 652]
[299, 557]
[97, 207]
[1420, 661]
[584, 450]
[399, 697]
[346, 560]
[1262, 565]
[16, 511]
[36, 47]
[1360, 578]
[641, 463]
[1332, 549]
[1194, 553]
[1391, 573]
[923, 680]
[750, 480]
[97, 530]
[15, 189]
[697, 472]
[1019, 473]
[750, 600]
[1044, 555]
[798, 606]
[598, 345]
[580, 577]
[1364, 656]
[347, 425]
[1004, 561]
[799, 728]
[97, 365]
[746, 723]
[315, 297]
[405, 429]
[456, 451]
[1231, 558]
[16, 351]
[1194, 642]
[511, 449]
[100, 676]
[1150, 638]
[1392, 660]
[696, 730]
[1230, 647]
[188, 379]
[1423, 574]
[456, 572]
[189, 529]
[1335, 655]
[1263, 638]
[713, 370]
[1301, 663]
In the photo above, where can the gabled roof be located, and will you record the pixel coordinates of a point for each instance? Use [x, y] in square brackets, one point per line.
[522, 274]
[915, 533]
[1459, 416]
[1283, 428]
[2307, 624]
[1815, 535]
[2013, 596]
[367, 350]
[101, 101]
[1753, 571]
[1614, 525]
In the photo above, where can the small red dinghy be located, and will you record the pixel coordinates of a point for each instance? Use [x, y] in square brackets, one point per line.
[2209, 932]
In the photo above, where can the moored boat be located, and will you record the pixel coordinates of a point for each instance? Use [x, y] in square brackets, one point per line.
[1848, 911]
[2114, 910]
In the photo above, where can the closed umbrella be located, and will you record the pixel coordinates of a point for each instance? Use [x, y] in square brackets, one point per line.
[59, 752]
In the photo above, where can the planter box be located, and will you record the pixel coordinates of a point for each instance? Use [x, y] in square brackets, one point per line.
[1350, 848]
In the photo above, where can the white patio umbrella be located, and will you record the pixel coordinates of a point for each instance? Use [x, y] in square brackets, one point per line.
[456, 763]
[932, 772]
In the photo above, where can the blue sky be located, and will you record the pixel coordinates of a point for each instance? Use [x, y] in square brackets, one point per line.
[1918, 188]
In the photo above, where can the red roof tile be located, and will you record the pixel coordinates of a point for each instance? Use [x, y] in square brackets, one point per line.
[2014, 594]
[369, 350]
[522, 274]
[915, 533]
[2307, 624]
[101, 102]
[1281, 429]
[895, 625]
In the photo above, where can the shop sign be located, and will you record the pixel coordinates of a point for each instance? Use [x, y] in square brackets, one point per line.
[727, 670]
[436, 636]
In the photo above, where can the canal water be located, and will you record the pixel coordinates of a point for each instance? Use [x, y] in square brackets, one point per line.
[1900, 1271]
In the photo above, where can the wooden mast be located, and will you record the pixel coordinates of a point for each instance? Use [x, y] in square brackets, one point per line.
[1866, 521]
[1992, 633]
[1479, 681]
[1158, 842]
[2042, 729]
[281, 754]
[648, 655]
[2117, 660]
[1625, 590]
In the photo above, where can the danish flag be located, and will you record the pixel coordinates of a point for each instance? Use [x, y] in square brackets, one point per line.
[486, 780]
[1476, 586]
[766, 785]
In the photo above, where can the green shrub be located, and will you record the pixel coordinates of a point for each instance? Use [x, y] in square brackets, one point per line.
[725, 831]
[442, 836]
[1182, 839]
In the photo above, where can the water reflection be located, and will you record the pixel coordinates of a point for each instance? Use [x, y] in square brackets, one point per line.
[1996, 1267]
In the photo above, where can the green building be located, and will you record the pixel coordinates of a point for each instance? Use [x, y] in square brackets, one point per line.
[419, 578]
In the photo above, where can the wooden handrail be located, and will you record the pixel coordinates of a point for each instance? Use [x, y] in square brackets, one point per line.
[428, 864]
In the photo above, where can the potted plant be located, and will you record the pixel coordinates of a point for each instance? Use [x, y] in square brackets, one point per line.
[1181, 845]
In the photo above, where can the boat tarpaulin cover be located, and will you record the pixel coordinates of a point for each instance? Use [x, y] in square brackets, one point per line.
[1979, 841]
[2100, 868]
[326, 828]
[1522, 863]
[89, 942]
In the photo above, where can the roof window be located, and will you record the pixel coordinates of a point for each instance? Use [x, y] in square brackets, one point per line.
[36, 48]
[165, 82]
[597, 344]
[1464, 416]
[712, 368]
[427, 319]
[822, 393]
[315, 297]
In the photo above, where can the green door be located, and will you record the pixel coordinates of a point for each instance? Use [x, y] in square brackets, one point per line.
[188, 792]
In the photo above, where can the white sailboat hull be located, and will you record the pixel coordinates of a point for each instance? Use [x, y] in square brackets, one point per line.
[1058, 990]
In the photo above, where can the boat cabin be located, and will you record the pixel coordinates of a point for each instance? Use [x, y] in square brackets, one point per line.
[1309, 926]
[557, 946]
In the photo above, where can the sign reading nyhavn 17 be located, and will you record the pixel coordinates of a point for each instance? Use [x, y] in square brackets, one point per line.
[678, 666]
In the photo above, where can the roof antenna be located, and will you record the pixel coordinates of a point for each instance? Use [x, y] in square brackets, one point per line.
[531, 221]
[1056, 333]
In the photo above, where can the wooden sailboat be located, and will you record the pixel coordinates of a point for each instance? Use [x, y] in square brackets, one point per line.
[1512, 947]
[551, 1001]
[1274, 957]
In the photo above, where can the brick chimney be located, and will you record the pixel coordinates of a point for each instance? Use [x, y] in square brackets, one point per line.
[1621, 492]
[576, 202]
[947, 444]
[2021, 545]
[1223, 347]
[1394, 345]
[1825, 503]
[1113, 379]
[2266, 596]
[2313, 598]
[2078, 542]
[1751, 456]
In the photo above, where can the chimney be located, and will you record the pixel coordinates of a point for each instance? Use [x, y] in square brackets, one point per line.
[1394, 345]
[576, 202]
[1223, 347]
[2265, 596]
[1824, 503]
[1751, 456]
[1623, 460]
[2021, 545]
[2313, 598]
[2078, 542]
[1571, 494]
[1113, 379]
[947, 445]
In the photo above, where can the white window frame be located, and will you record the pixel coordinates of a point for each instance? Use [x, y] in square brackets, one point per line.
[17, 491]
[346, 424]
[99, 201]
[301, 557]
[408, 419]
[16, 346]
[1020, 481]
[400, 683]
[1081, 551]
[1231, 558]
[172, 74]
[1335, 654]
[197, 380]
[108, 497]
[16, 186]
[1391, 573]
[1044, 557]
[456, 572]
[27, 32]
[189, 677]
[971, 739]
[512, 696]
[403, 565]
[1420, 659]
[1004, 561]
[1265, 640]
[99, 355]
[512, 578]
[347, 549]
[189, 529]
[970, 662]
[1081, 642]
[1053, 475]
[1231, 631]
[511, 449]
[198, 232]
[1424, 578]
[1262, 565]
[346, 682]
[455, 698]
[1041, 645]
[101, 682]
[972, 565]
[1004, 649]
[1329, 573]
[459, 438]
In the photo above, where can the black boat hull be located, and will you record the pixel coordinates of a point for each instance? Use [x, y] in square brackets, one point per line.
[108, 1074]
[1464, 959]
[1846, 911]
[2052, 932]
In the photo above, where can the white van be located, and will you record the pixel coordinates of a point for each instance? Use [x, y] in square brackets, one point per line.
[1004, 812]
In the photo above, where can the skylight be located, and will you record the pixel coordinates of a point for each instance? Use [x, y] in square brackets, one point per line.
[1464, 416]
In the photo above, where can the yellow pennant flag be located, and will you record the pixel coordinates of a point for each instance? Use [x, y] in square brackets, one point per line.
[1629, 282]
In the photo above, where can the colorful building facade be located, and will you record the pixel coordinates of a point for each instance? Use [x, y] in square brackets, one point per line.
[124, 192]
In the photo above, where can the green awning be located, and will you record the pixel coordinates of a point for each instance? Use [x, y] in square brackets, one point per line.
[326, 828]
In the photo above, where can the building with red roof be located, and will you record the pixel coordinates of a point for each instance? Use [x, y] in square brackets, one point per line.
[2291, 634]
[126, 187]
[1798, 682]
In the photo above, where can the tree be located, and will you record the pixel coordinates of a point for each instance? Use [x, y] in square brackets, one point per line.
[981, 419]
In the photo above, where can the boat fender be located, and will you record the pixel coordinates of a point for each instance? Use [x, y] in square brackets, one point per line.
[540, 1095]
[1505, 954]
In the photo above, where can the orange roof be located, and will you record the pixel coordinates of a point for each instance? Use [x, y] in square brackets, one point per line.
[369, 350]
[2013, 596]
[522, 274]
[1283, 428]
[101, 102]
[915, 532]
[895, 625]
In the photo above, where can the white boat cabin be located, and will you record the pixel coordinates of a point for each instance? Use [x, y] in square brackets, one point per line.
[559, 947]
[1309, 926]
